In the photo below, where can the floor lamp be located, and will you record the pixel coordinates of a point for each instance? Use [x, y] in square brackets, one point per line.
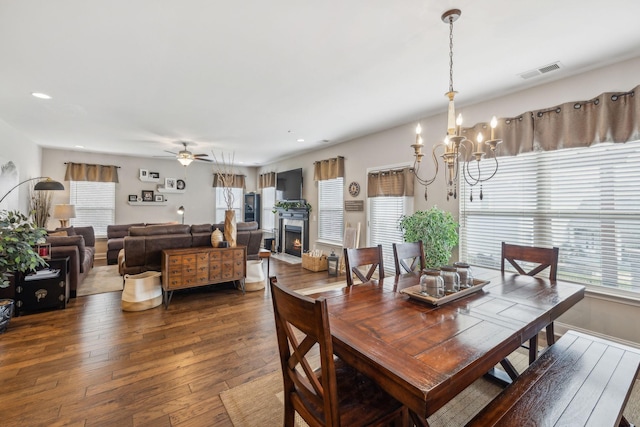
[47, 185]
[181, 212]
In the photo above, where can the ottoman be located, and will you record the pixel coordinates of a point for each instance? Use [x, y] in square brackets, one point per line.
[255, 276]
[141, 291]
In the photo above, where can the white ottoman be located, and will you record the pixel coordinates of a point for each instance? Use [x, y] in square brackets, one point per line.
[141, 291]
[255, 276]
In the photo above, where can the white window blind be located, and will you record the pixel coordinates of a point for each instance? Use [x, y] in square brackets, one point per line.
[95, 205]
[330, 210]
[584, 201]
[268, 217]
[383, 224]
[221, 205]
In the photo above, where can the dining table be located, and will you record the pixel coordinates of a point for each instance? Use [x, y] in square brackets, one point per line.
[424, 354]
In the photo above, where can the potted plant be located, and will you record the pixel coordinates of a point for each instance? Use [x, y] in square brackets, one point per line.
[18, 239]
[438, 231]
[286, 205]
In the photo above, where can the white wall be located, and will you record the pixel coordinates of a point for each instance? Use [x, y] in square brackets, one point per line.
[26, 155]
[198, 200]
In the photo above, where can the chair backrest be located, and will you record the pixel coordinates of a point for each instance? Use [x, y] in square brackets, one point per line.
[409, 256]
[358, 257]
[545, 257]
[306, 392]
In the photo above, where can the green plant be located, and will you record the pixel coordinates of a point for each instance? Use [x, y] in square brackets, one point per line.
[18, 238]
[288, 205]
[438, 231]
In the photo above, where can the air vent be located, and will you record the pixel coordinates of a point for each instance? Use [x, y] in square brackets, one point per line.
[541, 70]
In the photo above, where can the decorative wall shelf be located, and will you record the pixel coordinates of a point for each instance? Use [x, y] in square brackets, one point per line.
[148, 203]
[148, 179]
[161, 189]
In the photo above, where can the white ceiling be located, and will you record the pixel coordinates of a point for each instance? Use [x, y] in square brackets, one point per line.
[253, 76]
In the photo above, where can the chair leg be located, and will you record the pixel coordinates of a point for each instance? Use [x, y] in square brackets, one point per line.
[551, 338]
[533, 349]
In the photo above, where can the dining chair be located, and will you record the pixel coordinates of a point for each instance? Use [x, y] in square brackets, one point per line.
[359, 257]
[409, 256]
[335, 394]
[541, 258]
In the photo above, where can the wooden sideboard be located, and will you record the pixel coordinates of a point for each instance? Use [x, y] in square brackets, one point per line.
[192, 267]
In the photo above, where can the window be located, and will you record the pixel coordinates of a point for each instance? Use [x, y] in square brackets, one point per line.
[330, 210]
[584, 201]
[221, 205]
[268, 217]
[95, 204]
[383, 218]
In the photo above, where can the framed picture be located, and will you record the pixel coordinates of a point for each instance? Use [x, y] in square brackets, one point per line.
[154, 175]
[159, 198]
[133, 198]
[144, 173]
[180, 184]
[147, 196]
[170, 183]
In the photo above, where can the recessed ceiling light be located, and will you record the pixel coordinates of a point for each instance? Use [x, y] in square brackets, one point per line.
[79, 146]
[41, 95]
[300, 140]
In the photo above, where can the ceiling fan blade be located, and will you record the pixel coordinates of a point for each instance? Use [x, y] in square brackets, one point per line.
[171, 152]
[203, 160]
[200, 155]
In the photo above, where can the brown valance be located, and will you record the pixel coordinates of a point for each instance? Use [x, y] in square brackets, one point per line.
[266, 180]
[396, 182]
[88, 172]
[328, 169]
[238, 181]
[609, 117]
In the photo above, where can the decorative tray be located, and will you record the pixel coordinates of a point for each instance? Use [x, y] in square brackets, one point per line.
[414, 292]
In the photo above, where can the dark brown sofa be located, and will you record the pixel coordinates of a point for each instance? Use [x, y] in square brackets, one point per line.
[115, 240]
[79, 245]
[144, 244]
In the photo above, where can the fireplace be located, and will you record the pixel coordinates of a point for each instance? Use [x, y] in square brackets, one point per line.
[293, 240]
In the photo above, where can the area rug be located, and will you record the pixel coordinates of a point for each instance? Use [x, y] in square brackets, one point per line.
[100, 280]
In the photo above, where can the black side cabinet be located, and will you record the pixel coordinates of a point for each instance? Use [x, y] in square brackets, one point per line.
[44, 289]
[252, 208]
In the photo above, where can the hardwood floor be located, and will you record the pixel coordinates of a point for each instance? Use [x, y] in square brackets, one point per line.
[94, 365]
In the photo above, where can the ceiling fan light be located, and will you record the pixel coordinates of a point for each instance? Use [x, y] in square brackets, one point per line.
[185, 161]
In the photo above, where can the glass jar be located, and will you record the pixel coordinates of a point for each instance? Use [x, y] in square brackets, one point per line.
[451, 278]
[466, 277]
[431, 283]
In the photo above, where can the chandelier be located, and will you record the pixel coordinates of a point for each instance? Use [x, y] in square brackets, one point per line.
[458, 152]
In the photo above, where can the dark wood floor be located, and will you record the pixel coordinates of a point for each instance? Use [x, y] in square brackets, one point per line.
[94, 365]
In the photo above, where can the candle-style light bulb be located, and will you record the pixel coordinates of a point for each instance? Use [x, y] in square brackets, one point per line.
[458, 124]
[494, 123]
[418, 132]
[479, 138]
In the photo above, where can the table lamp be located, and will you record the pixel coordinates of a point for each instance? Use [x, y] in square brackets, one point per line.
[63, 212]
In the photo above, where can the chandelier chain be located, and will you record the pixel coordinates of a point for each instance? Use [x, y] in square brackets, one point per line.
[450, 54]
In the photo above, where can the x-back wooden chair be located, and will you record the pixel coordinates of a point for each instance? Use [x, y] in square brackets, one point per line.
[409, 256]
[336, 394]
[359, 257]
[544, 258]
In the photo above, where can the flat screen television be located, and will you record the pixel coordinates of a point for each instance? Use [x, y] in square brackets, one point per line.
[289, 185]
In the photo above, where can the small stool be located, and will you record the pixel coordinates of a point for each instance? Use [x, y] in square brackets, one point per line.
[141, 291]
[255, 276]
[263, 253]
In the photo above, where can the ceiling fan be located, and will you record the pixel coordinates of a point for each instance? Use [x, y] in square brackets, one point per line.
[185, 157]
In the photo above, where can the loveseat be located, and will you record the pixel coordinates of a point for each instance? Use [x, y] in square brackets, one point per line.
[115, 240]
[78, 243]
[144, 245]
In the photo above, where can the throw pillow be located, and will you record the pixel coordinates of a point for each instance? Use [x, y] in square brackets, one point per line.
[57, 233]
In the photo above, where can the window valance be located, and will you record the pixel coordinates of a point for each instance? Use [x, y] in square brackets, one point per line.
[328, 169]
[609, 117]
[267, 180]
[89, 172]
[396, 183]
[238, 181]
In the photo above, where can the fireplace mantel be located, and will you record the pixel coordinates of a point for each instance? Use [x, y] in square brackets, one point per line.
[294, 214]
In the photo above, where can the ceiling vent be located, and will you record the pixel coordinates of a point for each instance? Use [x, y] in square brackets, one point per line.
[541, 70]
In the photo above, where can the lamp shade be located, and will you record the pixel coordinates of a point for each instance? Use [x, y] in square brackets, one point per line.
[64, 211]
[48, 185]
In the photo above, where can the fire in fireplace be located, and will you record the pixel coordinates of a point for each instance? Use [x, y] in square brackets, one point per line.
[292, 240]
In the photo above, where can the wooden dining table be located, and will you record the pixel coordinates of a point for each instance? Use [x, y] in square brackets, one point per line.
[424, 355]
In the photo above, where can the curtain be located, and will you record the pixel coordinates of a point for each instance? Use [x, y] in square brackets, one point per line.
[328, 169]
[88, 172]
[396, 183]
[238, 181]
[267, 180]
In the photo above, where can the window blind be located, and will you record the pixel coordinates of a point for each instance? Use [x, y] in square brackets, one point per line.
[384, 216]
[268, 217]
[584, 201]
[221, 205]
[95, 205]
[330, 210]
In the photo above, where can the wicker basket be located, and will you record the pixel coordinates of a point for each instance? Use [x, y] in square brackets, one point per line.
[314, 263]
